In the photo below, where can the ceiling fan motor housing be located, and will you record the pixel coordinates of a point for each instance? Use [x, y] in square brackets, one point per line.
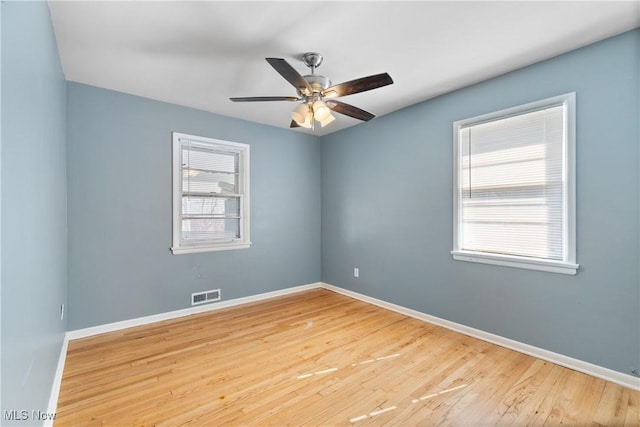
[317, 82]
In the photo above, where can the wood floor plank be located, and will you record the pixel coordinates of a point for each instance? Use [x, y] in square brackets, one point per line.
[618, 406]
[320, 358]
[526, 396]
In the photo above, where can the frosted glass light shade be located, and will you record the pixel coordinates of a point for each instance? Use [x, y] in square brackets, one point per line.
[328, 120]
[321, 111]
[308, 119]
[300, 113]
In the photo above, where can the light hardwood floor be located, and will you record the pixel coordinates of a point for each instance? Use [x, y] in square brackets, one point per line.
[320, 358]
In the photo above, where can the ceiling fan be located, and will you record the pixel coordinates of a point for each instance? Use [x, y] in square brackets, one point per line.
[317, 94]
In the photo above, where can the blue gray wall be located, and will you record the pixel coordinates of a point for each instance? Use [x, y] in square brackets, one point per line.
[387, 209]
[119, 185]
[34, 221]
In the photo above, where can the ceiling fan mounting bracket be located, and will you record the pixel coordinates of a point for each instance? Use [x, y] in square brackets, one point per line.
[312, 60]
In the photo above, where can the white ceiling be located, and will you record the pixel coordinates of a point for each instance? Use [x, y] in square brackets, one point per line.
[198, 54]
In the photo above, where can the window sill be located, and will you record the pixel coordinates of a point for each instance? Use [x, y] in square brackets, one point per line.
[216, 248]
[516, 262]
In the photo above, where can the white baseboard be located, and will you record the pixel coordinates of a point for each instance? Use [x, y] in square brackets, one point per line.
[57, 382]
[116, 326]
[607, 374]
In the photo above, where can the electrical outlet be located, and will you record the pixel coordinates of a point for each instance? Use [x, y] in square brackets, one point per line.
[61, 311]
[356, 272]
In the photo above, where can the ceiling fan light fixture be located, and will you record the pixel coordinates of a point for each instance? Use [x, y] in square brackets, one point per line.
[300, 113]
[303, 116]
[308, 121]
[321, 111]
[327, 120]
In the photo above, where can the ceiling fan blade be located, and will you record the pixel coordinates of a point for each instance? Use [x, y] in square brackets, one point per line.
[358, 85]
[290, 74]
[349, 110]
[294, 124]
[264, 98]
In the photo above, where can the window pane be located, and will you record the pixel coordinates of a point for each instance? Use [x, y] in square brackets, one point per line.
[206, 171]
[203, 229]
[199, 158]
[195, 181]
[511, 185]
[210, 206]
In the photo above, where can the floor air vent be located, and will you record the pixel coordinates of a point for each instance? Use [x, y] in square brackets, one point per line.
[206, 296]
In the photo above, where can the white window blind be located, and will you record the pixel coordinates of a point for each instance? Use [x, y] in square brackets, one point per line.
[210, 194]
[512, 186]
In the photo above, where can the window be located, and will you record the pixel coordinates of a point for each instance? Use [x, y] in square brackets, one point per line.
[210, 194]
[514, 187]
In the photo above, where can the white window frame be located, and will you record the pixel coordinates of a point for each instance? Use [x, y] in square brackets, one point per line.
[568, 264]
[243, 151]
